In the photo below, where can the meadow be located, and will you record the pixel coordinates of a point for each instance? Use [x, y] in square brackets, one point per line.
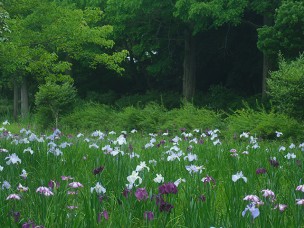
[181, 178]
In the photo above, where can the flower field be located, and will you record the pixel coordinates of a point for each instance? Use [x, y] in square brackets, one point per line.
[186, 178]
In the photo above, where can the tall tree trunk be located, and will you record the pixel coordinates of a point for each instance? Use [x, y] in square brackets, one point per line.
[24, 98]
[266, 61]
[189, 76]
[16, 100]
[266, 68]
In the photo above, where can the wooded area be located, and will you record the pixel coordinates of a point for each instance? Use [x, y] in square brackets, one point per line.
[134, 46]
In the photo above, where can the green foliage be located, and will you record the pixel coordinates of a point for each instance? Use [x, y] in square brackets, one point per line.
[152, 117]
[4, 28]
[54, 98]
[90, 116]
[286, 87]
[221, 98]
[5, 107]
[190, 117]
[107, 98]
[204, 15]
[46, 36]
[264, 7]
[263, 124]
[286, 35]
[168, 99]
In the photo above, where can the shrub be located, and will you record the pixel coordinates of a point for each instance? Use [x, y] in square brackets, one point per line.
[149, 118]
[90, 116]
[53, 99]
[286, 87]
[167, 99]
[6, 107]
[190, 117]
[262, 123]
[107, 98]
[222, 98]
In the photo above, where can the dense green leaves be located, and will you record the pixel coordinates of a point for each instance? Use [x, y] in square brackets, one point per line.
[166, 44]
[286, 87]
[204, 15]
[44, 40]
[3, 25]
[54, 98]
[287, 33]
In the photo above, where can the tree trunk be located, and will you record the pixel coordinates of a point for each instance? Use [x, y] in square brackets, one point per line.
[24, 98]
[189, 76]
[266, 62]
[16, 100]
[266, 68]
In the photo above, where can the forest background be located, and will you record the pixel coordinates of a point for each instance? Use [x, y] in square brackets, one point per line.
[154, 65]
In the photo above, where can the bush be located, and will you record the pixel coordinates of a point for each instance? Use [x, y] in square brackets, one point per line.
[152, 118]
[220, 98]
[167, 99]
[90, 116]
[286, 87]
[6, 107]
[53, 99]
[262, 123]
[190, 117]
[107, 98]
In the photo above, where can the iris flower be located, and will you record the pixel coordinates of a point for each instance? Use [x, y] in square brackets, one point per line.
[238, 176]
[178, 181]
[278, 134]
[132, 179]
[290, 155]
[141, 166]
[98, 188]
[12, 159]
[28, 150]
[13, 196]
[44, 191]
[141, 194]
[191, 157]
[148, 215]
[75, 185]
[159, 178]
[255, 212]
[22, 188]
[194, 169]
[268, 193]
[300, 188]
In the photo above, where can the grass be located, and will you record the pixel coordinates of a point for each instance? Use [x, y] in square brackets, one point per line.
[217, 203]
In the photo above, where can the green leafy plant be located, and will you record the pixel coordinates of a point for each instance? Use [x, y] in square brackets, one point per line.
[286, 87]
[90, 116]
[262, 123]
[54, 98]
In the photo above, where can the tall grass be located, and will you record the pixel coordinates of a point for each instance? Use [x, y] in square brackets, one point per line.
[217, 202]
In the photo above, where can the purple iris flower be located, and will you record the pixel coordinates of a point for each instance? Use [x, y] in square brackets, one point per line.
[98, 170]
[167, 188]
[261, 171]
[148, 215]
[141, 194]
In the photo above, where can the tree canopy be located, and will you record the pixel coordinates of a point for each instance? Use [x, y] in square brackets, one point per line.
[134, 46]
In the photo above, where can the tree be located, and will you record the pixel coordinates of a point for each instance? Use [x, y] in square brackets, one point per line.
[267, 10]
[3, 24]
[148, 22]
[46, 36]
[53, 97]
[287, 33]
[148, 31]
[286, 87]
[199, 16]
